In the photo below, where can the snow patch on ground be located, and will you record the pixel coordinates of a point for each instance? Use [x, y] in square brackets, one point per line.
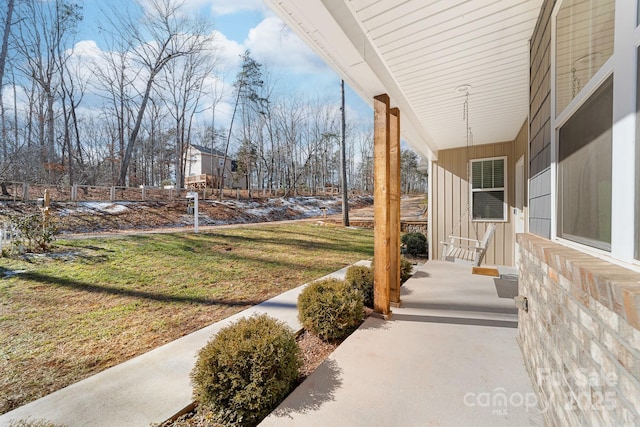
[10, 273]
[88, 207]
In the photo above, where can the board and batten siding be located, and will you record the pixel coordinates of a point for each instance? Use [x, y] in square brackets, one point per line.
[450, 198]
[540, 125]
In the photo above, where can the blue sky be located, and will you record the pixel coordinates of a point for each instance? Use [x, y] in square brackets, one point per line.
[250, 24]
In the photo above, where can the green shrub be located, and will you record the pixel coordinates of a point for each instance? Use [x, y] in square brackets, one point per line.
[406, 268]
[247, 370]
[415, 243]
[361, 278]
[330, 308]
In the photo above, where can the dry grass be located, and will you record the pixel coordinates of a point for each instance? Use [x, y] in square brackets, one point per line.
[100, 302]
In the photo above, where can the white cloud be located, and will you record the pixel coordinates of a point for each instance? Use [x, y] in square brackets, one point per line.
[227, 7]
[227, 51]
[21, 98]
[87, 49]
[275, 45]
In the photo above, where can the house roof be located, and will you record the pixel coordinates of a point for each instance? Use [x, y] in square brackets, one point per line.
[419, 52]
[209, 151]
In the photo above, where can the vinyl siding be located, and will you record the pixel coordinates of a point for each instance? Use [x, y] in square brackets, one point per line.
[451, 197]
[540, 125]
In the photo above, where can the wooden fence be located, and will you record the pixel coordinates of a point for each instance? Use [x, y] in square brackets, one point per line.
[21, 191]
[406, 226]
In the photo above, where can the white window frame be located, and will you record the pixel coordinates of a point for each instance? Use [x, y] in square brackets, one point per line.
[622, 64]
[505, 203]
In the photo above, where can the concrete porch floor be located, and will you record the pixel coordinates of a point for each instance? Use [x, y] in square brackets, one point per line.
[448, 357]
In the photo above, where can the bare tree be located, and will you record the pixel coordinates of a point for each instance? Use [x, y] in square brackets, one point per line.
[412, 180]
[45, 27]
[162, 35]
[3, 57]
[248, 83]
[181, 90]
[72, 88]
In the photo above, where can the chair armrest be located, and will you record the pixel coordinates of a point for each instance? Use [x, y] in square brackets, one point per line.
[463, 241]
[458, 245]
[464, 238]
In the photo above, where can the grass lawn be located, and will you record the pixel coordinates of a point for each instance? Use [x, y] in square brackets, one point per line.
[99, 302]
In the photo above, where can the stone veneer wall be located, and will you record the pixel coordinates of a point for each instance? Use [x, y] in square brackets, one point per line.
[581, 336]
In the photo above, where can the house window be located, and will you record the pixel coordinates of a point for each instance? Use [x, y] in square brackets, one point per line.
[488, 189]
[584, 171]
[584, 42]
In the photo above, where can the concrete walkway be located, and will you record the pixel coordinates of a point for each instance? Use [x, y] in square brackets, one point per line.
[150, 388]
[449, 357]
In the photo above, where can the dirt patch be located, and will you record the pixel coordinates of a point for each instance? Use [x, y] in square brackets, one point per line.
[100, 216]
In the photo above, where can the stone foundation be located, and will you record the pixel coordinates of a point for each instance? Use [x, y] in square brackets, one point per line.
[581, 336]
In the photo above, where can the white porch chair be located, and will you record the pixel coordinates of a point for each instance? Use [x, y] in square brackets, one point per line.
[468, 251]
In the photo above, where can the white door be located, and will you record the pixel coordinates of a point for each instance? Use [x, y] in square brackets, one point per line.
[518, 210]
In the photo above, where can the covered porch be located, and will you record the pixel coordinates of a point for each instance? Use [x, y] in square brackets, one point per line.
[451, 80]
[527, 114]
[449, 356]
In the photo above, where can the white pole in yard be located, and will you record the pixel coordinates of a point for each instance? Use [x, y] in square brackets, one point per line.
[195, 213]
[194, 195]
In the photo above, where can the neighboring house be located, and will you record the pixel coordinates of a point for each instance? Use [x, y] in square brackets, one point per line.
[554, 160]
[206, 161]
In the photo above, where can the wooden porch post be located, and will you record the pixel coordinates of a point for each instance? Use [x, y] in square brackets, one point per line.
[381, 206]
[394, 212]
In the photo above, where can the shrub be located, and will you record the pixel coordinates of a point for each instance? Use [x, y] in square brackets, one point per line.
[361, 278]
[406, 268]
[415, 243]
[246, 370]
[34, 234]
[330, 308]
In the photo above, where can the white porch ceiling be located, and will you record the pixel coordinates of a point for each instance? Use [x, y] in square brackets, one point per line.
[419, 52]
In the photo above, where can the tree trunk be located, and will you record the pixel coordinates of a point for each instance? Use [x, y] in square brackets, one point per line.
[50, 136]
[134, 133]
[226, 147]
[3, 58]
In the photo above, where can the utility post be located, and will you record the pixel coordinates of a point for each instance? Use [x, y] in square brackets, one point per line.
[343, 164]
